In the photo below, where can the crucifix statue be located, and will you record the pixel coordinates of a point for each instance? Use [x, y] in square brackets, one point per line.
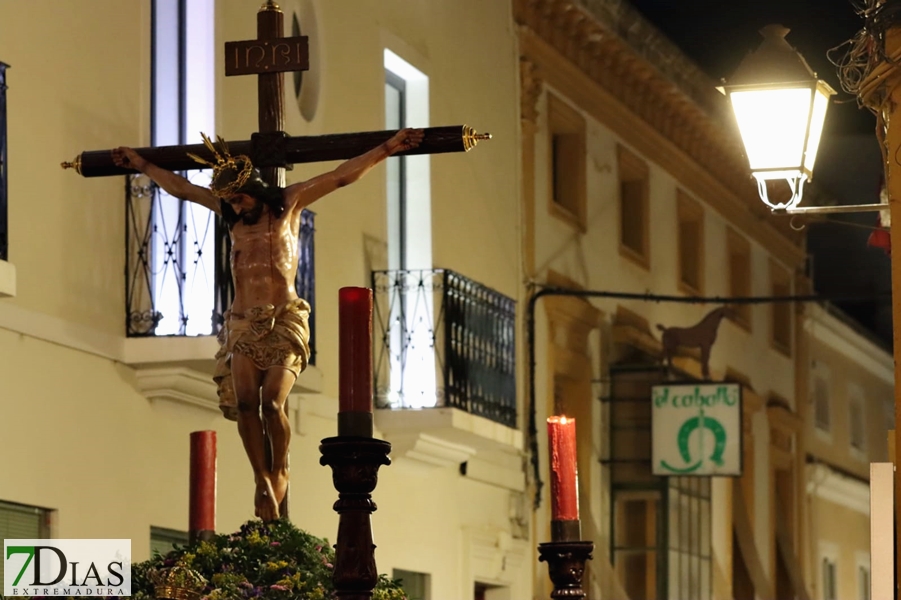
[265, 336]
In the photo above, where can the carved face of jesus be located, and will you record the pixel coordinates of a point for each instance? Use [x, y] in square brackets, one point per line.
[242, 203]
[248, 208]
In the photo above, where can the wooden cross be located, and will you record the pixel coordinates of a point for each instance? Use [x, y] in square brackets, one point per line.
[271, 150]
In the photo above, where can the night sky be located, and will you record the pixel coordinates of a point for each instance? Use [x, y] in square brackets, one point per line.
[717, 35]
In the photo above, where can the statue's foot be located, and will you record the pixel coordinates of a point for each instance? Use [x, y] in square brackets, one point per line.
[279, 484]
[264, 500]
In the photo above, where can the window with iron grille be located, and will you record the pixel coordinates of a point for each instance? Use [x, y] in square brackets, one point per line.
[416, 585]
[830, 579]
[566, 130]
[863, 582]
[739, 252]
[821, 401]
[163, 540]
[780, 312]
[21, 522]
[690, 217]
[660, 529]
[857, 425]
[634, 207]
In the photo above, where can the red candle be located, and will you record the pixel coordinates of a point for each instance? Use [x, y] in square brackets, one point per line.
[202, 499]
[355, 350]
[561, 433]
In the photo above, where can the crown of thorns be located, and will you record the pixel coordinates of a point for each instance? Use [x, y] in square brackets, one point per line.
[225, 162]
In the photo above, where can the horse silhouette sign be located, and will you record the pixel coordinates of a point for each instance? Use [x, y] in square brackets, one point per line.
[696, 429]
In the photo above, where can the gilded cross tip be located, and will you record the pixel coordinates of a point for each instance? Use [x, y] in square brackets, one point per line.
[471, 138]
[270, 5]
[75, 164]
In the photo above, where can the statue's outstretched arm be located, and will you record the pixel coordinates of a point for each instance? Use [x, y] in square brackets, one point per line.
[300, 195]
[174, 184]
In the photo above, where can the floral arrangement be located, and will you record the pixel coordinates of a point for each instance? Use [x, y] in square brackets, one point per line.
[263, 561]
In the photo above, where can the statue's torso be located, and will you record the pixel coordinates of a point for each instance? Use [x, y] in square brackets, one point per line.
[264, 260]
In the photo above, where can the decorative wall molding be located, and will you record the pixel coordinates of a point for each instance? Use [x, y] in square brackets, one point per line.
[180, 385]
[828, 484]
[842, 338]
[587, 35]
[531, 87]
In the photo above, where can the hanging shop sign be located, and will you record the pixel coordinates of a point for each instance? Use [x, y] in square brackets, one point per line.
[696, 429]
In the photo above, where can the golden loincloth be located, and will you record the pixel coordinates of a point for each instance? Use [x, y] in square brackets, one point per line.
[270, 336]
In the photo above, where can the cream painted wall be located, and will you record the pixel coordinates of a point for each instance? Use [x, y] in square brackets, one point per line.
[78, 81]
[850, 360]
[111, 462]
[846, 543]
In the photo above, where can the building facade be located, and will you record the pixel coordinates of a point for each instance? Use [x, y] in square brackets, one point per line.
[614, 186]
[110, 373]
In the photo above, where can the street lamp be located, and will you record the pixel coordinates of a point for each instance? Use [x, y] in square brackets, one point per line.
[780, 106]
[767, 124]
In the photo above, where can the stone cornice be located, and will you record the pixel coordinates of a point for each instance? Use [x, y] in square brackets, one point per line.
[530, 84]
[592, 45]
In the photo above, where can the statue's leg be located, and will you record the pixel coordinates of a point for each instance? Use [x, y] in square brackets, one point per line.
[247, 379]
[277, 384]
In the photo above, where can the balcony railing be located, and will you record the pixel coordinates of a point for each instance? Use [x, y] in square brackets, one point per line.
[444, 340]
[178, 274]
[4, 233]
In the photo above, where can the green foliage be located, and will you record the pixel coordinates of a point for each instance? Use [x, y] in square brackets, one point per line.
[264, 561]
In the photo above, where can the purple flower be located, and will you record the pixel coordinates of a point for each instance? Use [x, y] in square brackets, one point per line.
[275, 544]
[278, 587]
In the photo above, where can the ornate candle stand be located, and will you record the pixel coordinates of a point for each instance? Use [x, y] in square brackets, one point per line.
[565, 558]
[355, 463]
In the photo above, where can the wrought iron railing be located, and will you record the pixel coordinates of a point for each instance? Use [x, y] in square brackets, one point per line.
[4, 233]
[178, 274]
[444, 340]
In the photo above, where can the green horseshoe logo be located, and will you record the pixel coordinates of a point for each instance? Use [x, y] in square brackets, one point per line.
[699, 422]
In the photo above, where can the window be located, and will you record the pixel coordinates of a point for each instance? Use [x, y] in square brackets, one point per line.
[162, 540]
[781, 312]
[416, 585]
[690, 216]
[566, 130]
[4, 234]
[634, 207]
[863, 581]
[412, 358]
[183, 246]
[830, 584]
[21, 522]
[857, 423]
[739, 255]
[690, 557]
[820, 399]
[661, 526]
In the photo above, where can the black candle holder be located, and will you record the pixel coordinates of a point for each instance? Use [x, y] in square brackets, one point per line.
[355, 463]
[566, 565]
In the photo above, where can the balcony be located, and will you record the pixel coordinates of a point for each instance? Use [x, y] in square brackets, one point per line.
[178, 285]
[444, 365]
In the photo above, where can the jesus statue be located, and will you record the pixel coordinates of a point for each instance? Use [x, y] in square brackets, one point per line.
[264, 341]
